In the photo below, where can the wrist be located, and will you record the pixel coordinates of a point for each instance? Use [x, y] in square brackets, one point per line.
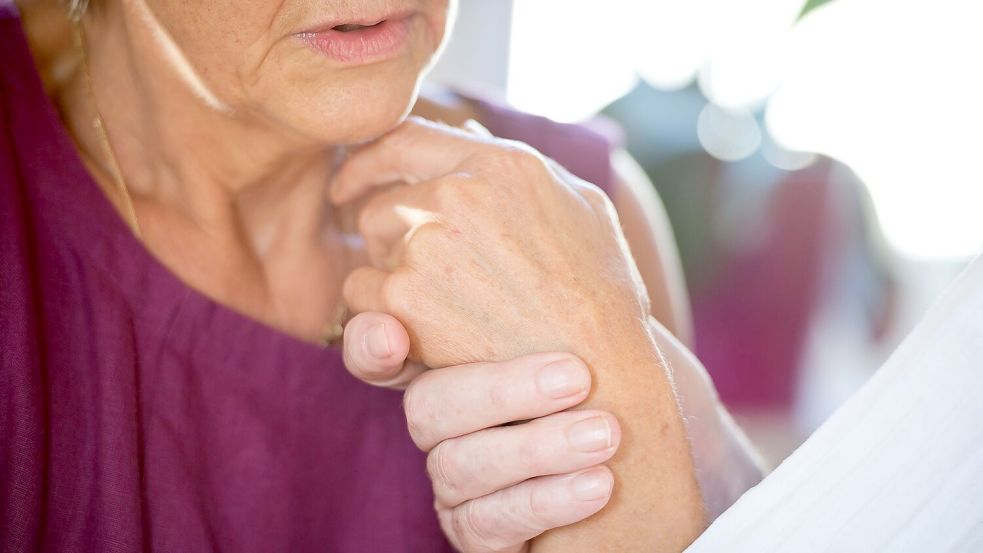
[628, 366]
[612, 325]
[654, 465]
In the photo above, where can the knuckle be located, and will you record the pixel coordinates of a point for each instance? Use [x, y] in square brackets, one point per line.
[472, 527]
[425, 244]
[396, 294]
[500, 394]
[364, 220]
[441, 464]
[514, 158]
[591, 192]
[446, 519]
[595, 197]
[454, 191]
[417, 411]
[525, 157]
[349, 288]
[540, 507]
[392, 293]
[416, 254]
[427, 234]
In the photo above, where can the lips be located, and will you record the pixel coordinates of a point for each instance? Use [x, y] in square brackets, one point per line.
[348, 27]
[361, 41]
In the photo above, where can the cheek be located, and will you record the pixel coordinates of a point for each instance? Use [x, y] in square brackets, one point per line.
[215, 45]
[443, 13]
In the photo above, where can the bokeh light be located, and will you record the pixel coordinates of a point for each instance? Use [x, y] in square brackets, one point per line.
[728, 134]
[890, 88]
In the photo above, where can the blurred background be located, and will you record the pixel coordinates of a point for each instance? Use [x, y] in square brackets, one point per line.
[820, 163]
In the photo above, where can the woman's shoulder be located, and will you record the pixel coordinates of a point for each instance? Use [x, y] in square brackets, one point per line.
[584, 149]
[7, 10]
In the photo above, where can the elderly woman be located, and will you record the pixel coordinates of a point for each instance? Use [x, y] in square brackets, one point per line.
[185, 225]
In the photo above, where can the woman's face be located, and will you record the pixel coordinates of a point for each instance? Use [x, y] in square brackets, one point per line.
[337, 71]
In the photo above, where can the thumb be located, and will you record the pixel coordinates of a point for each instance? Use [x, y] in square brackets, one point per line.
[375, 348]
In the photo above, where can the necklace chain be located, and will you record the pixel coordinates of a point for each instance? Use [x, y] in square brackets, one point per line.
[129, 211]
[331, 332]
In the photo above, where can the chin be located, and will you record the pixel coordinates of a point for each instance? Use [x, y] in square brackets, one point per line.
[362, 116]
[353, 114]
[348, 106]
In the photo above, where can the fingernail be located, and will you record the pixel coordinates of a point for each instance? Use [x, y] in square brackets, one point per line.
[562, 379]
[377, 342]
[593, 434]
[592, 485]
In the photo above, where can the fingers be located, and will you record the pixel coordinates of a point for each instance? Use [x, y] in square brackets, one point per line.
[415, 151]
[375, 349]
[480, 463]
[454, 401]
[390, 218]
[364, 290]
[505, 520]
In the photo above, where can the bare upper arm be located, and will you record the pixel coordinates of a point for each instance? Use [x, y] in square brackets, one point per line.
[653, 245]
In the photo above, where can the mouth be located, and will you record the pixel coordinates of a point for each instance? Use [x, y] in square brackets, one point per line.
[362, 41]
[349, 27]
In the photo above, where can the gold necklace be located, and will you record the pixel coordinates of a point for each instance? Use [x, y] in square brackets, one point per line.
[129, 211]
[331, 332]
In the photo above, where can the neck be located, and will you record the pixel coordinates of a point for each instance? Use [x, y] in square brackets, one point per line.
[183, 152]
[231, 202]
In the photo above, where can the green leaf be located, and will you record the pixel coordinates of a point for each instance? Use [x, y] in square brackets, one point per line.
[811, 5]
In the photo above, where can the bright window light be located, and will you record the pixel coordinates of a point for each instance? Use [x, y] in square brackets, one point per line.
[567, 59]
[891, 88]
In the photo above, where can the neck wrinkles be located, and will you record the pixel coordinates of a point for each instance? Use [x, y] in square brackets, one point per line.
[178, 145]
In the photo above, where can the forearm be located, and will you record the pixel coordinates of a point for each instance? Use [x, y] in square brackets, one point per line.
[656, 504]
[727, 464]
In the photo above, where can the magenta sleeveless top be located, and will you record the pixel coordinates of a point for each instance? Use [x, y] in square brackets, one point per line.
[136, 414]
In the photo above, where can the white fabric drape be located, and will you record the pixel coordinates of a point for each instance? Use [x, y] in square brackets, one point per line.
[897, 468]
